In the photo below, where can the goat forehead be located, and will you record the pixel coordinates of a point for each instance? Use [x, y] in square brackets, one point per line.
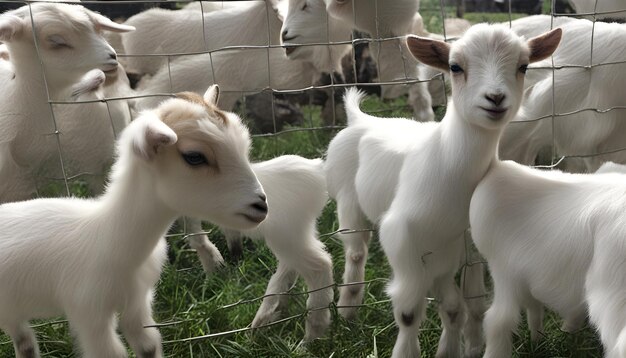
[180, 109]
[495, 42]
[203, 122]
[73, 17]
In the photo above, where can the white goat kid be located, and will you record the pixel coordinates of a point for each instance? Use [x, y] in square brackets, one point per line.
[407, 176]
[605, 10]
[296, 194]
[90, 259]
[161, 31]
[240, 71]
[601, 87]
[306, 22]
[553, 239]
[69, 45]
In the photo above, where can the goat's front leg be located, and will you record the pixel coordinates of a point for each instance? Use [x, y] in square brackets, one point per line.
[96, 334]
[408, 286]
[451, 312]
[24, 340]
[501, 318]
[210, 257]
[144, 341]
[273, 304]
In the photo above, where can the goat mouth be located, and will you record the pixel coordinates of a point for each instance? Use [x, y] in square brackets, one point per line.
[255, 218]
[495, 113]
[109, 68]
[289, 50]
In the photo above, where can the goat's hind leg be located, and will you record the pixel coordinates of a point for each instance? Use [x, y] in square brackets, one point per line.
[24, 340]
[356, 249]
[534, 317]
[475, 296]
[310, 260]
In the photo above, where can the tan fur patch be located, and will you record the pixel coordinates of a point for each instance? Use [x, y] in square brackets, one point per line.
[198, 99]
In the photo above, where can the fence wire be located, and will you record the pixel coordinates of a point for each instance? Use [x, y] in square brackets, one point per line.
[334, 124]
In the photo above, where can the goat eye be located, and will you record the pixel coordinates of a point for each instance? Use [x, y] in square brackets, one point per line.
[456, 68]
[58, 42]
[195, 159]
[304, 6]
[523, 68]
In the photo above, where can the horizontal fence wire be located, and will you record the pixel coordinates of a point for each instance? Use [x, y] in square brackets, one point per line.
[471, 258]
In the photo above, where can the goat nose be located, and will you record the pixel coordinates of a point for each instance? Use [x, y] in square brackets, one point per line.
[263, 197]
[284, 35]
[113, 56]
[495, 98]
[260, 206]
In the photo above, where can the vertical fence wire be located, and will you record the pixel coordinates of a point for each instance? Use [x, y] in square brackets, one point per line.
[377, 40]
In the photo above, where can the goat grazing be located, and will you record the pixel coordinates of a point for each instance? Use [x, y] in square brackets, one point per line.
[296, 194]
[69, 44]
[91, 259]
[407, 177]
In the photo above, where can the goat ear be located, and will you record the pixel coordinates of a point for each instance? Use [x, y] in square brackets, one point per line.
[430, 52]
[154, 135]
[279, 7]
[4, 52]
[106, 24]
[212, 95]
[543, 46]
[10, 27]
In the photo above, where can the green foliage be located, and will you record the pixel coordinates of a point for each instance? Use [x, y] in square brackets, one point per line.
[478, 17]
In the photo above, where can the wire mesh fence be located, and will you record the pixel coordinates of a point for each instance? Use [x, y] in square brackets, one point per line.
[317, 94]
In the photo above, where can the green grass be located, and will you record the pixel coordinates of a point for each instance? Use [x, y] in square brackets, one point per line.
[185, 295]
[196, 303]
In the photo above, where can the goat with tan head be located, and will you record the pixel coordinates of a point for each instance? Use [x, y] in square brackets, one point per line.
[91, 259]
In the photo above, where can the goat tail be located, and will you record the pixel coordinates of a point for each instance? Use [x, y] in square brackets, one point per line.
[352, 99]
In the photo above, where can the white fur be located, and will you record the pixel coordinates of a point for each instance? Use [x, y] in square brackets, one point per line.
[241, 71]
[601, 87]
[553, 239]
[612, 8]
[210, 6]
[161, 31]
[408, 178]
[28, 145]
[91, 259]
[296, 195]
